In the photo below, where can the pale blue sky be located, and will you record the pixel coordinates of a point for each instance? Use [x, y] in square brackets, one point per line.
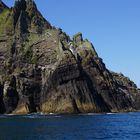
[113, 26]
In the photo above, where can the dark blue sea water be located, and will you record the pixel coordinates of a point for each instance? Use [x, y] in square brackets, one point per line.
[71, 127]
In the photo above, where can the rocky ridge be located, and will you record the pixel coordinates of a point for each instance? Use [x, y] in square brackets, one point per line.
[43, 70]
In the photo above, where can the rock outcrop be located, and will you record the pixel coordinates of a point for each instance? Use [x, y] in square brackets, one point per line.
[43, 70]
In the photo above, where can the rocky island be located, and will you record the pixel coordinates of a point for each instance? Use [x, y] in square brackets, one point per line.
[42, 69]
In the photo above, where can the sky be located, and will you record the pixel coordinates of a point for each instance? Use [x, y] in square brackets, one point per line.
[113, 26]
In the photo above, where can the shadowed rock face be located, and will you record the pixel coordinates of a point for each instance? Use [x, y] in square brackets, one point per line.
[2, 6]
[43, 70]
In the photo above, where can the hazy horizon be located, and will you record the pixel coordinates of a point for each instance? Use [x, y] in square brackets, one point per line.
[112, 26]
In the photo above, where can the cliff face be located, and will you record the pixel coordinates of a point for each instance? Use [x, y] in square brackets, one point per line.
[43, 70]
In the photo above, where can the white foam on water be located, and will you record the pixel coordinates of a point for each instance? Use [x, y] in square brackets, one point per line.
[110, 113]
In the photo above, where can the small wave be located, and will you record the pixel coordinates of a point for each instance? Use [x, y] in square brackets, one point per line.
[51, 113]
[41, 115]
[110, 113]
[88, 114]
[91, 114]
[10, 115]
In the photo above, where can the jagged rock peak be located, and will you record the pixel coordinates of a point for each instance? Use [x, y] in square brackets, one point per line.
[78, 38]
[23, 4]
[27, 10]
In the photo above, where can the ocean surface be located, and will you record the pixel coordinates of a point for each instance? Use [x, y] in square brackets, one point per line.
[123, 126]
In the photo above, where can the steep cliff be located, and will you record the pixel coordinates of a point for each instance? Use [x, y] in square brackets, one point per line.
[43, 70]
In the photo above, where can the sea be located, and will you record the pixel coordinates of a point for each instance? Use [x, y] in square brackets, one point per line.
[119, 126]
